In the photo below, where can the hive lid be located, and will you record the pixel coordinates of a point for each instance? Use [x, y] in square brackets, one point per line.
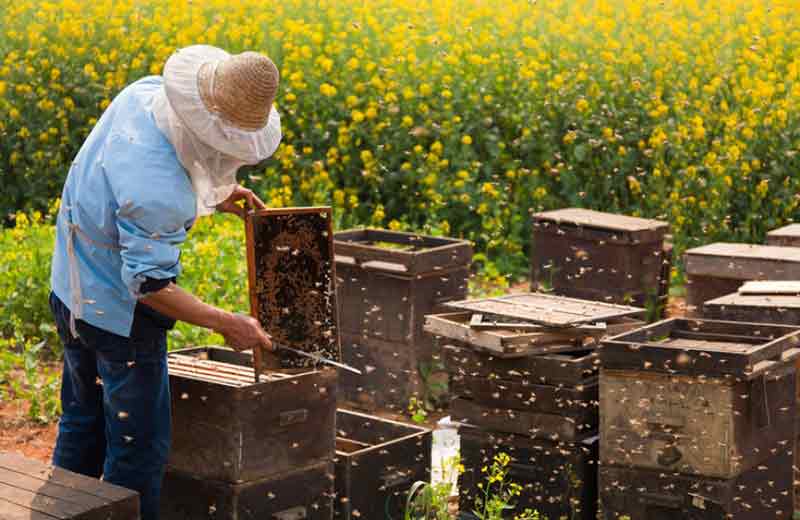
[641, 229]
[790, 231]
[741, 261]
[546, 309]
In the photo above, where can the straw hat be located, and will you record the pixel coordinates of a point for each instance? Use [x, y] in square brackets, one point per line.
[226, 100]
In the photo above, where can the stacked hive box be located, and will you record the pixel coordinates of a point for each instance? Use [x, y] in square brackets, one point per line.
[761, 302]
[248, 450]
[719, 269]
[697, 420]
[377, 463]
[601, 256]
[386, 283]
[529, 389]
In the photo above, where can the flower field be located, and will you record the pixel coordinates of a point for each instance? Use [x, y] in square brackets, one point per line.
[455, 116]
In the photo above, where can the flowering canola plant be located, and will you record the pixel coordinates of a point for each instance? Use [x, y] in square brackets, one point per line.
[455, 116]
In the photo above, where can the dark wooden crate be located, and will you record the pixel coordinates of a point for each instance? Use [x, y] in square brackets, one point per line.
[599, 256]
[709, 426]
[719, 269]
[702, 347]
[537, 425]
[761, 493]
[571, 369]
[292, 280]
[785, 236]
[387, 300]
[392, 373]
[236, 434]
[578, 403]
[377, 462]
[783, 309]
[559, 480]
[31, 490]
[301, 494]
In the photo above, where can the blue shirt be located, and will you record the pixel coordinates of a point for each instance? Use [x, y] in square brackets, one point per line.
[132, 203]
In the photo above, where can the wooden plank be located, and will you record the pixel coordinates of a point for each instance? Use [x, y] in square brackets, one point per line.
[54, 507]
[293, 281]
[750, 300]
[49, 489]
[11, 511]
[743, 261]
[546, 309]
[600, 220]
[771, 288]
[60, 476]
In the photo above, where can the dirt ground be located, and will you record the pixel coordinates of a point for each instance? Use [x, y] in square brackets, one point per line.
[20, 435]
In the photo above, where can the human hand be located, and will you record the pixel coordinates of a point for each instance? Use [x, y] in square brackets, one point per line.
[240, 193]
[243, 332]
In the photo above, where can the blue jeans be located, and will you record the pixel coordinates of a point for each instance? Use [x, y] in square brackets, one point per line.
[116, 408]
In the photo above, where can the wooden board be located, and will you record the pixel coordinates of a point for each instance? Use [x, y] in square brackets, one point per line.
[293, 282]
[743, 261]
[505, 342]
[785, 236]
[31, 490]
[715, 427]
[535, 425]
[638, 227]
[684, 346]
[559, 480]
[305, 493]
[770, 288]
[546, 309]
[758, 494]
[402, 253]
[234, 434]
[377, 462]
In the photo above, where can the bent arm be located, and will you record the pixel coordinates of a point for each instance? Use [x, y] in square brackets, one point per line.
[180, 304]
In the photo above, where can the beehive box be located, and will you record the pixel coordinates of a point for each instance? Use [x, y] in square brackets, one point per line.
[759, 302]
[600, 256]
[377, 462]
[292, 281]
[226, 427]
[386, 283]
[31, 490]
[715, 426]
[697, 396]
[705, 348]
[559, 480]
[763, 492]
[304, 493]
[785, 236]
[719, 269]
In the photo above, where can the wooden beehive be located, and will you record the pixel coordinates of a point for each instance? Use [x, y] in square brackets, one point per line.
[559, 480]
[377, 462]
[785, 236]
[228, 428]
[713, 426]
[701, 347]
[765, 302]
[760, 493]
[305, 493]
[600, 256]
[386, 283]
[719, 269]
[31, 490]
[292, 281]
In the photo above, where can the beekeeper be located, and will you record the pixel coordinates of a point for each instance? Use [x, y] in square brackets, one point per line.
[165, 152]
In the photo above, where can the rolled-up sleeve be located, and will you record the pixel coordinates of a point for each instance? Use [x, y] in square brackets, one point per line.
[155, 204]
[150, 235]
